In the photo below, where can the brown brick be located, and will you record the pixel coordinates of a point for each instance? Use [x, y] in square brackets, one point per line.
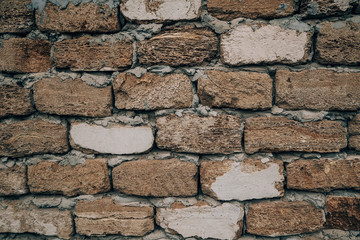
[91, 177]
[323, 175]
[229, 9]
[92, 54]
[16, 16]
[72, 97]
[283, 218]
[354, 125]
[322, 8]
[354, 142]
[318, 90]
[13, 181]
[277, 134]
[336, 43]
[24, 55]
[240, 89]
[33, 136]
[193, 133]
[152, 91]
[343, 213]
[102, 217]
[178, 46]
[159, 178]
[15, 100]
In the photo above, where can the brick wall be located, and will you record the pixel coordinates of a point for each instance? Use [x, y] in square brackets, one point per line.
[174, 119]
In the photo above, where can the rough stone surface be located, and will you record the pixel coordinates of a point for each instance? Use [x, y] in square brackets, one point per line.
[277, 134]
[92, 54]
[343, 213]
[336, 41]
[84, 17]
[230, 180]
[152, 91]
[354, 142]
[24, 55]
[102, 217]
[90, 177]
[178, 46]
[28, 137]
[354, 125]
[159, 11]
[193, 133]
[15, 100]
[322, 8]
[256, 44]
[282, 218]
[114, 139]
[323, 175]
[222, 222]
[240, 89]
[72, 97]
[13, 181]
[16, 17]
[229, 10]
[159, 178]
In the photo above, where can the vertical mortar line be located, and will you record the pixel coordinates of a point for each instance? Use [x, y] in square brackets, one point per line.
[272, 74]
[313, 44]
[198, 177]
[112, 106]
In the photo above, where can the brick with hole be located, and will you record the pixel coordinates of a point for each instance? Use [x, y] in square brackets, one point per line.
[343, 213]
[16, 16]
[15, 101]
[13, 181]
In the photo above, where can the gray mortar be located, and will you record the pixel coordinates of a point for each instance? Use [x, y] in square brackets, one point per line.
[318, 199]
[300, 115]
[98, 79]
[292, 23]
[287, 157]
[143, 31]
[160, 69]
[317, 235]
[137, 72]
[215, 24]
[72, 158]
[340, 234]
[46, 202]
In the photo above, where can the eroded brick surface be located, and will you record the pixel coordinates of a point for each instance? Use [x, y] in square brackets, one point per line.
[16, 16]
[15, 100]
[322, 8]
[13, 181]
[343, 213]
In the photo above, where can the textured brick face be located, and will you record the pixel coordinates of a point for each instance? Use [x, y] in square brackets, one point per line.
[343, 213]
[13, 181]
[15, 100]
[16, 17]
[354, 131]
[322, 8]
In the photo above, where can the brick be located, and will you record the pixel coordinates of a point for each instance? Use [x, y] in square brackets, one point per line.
[23, 55]
[88, 178]
[343, 213]
[282, 218]
[257, 44]
[221, 222]
[33, 136]
[278, 134]
[84, 17]
[72, 97]
[228, 10]
[318, 90]
[114, 139]
[193, 133]
[178, 46]
[157, 178]
[93, 54]
[230, 180]
[324, 8]
[15, 101]
[102, 217]
[323, 175]
[16, 16]
[13, 181]
[152, 91]
[17, 216]
[238, 89]
[336, 41]
[159, 11]
[354, 142]
[354, 125]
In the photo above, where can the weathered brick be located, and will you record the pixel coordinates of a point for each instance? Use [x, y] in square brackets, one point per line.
[178, 46]
[15, 100]
[158, 178]
[354, 142]
[16, 16]
[160, 11]
[354, 131]
[84, 17]
[238, 89]
[90, 177]
[229, 10]
[221, 222]
[230, 180]
[13, 181]
[322, 8]
[282, 218]
[24, 55]
[72, 97]
[277, 134]
[343, 213]
[336, 43]
[323, 175]
[102, 217]
[152, 91]
[93, 54]
[114, 139]
[33, 136]
[318, 90]
[256, 44]
[193, 133]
